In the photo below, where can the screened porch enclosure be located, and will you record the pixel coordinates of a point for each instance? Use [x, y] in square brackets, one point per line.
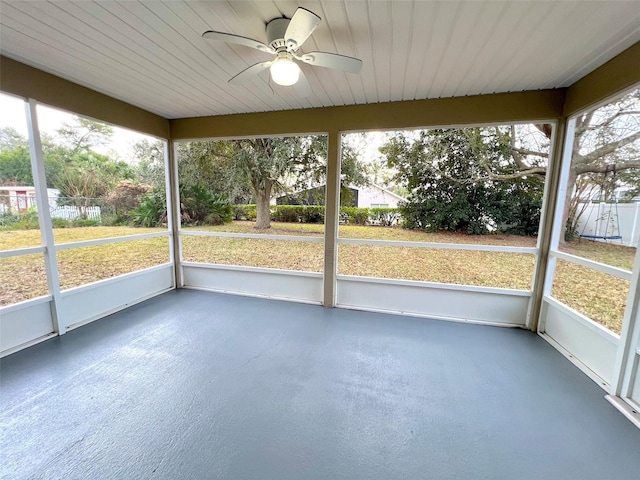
[336, 333]
[175, 388]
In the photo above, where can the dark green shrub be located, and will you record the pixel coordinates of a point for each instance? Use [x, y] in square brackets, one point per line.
[245, 211]
[115, 220]
[25, 221]
[355, 215]
[220, 211]
[313, 214]
[287, 213]
[85, 222]
[384, 216]
[8, 219]
[151, 212]
[199, 206]
[60, 223]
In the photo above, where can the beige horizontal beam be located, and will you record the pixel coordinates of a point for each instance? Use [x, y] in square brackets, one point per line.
[480, 109]
[615, 76]
[28, 82]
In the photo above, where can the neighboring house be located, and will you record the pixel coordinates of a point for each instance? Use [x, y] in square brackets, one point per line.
[369, 196]
[375, 196]
[22, 198]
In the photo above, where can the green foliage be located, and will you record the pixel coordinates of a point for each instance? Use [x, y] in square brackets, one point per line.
[150, 167]
[517, 208]
[200, 206]
[313, 214]
[212, 165]
[22, 221]
[287, 213]
[257, 168]
[81, 134]
[60, 223]
[452, 187]
[384, 216]
[151, 212]
[8, 219]
[354, 215]
[15, 167]
[245, 211]
[122, 199]
[298, 213]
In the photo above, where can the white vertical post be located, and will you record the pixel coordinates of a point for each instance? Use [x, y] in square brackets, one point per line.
[44, 216]
[634, 227]
[558, 228]
[173, 210]
[331, 218]
[552, 208]
[629, 338]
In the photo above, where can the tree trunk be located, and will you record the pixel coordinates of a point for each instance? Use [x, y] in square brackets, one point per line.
[571, 183]
[263, 218]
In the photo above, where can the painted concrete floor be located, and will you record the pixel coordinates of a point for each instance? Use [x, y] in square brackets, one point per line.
[196, 385]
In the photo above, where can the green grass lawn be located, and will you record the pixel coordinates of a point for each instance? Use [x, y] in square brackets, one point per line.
[597, 295]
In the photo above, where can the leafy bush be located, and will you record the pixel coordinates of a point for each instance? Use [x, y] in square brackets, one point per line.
[355, 215]
[9, 219]
[151, 212]
[220, 211]
[384, 216]
[287, 213]
[20, 221]
[298, 213]
[312, 214]
[60, 223]
[245, 211]
[199, 206]
[434, 215]
[85, 222]
[114, 220]
[126, 196]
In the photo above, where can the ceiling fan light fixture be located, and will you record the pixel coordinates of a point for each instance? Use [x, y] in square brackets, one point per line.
[285, 72]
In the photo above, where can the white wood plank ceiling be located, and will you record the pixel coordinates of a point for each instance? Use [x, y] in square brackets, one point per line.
[151, 54]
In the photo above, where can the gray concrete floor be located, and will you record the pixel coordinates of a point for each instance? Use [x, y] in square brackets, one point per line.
[196, 385]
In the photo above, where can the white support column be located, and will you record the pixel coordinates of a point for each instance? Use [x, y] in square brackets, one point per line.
[44, 216]
[173, 210]
[331, 218]
[629, 338]
[548, 233]
[634, 228]
[558, 228]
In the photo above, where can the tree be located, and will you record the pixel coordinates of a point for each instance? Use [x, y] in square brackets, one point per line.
[211, 164]
[267, 162]
[445, 173]
[81, 135]
[125, 196]
[89, 176]
[15, 167]
[262, 167]
[606, 144]
[11, 139]
[606, 141]
[150, 163]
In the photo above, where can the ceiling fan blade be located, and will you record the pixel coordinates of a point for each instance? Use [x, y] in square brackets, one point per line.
[249, 72]
[332, 60]
[302, 86]
[302, 25]
[238, 40]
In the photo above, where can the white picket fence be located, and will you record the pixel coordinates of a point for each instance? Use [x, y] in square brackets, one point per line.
[68, 212]
[607, 219]
[21, 205]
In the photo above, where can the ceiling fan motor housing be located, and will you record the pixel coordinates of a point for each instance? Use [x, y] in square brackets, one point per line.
[276, 29]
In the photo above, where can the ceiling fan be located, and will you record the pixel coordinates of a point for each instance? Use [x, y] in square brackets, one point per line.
[285, 37]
